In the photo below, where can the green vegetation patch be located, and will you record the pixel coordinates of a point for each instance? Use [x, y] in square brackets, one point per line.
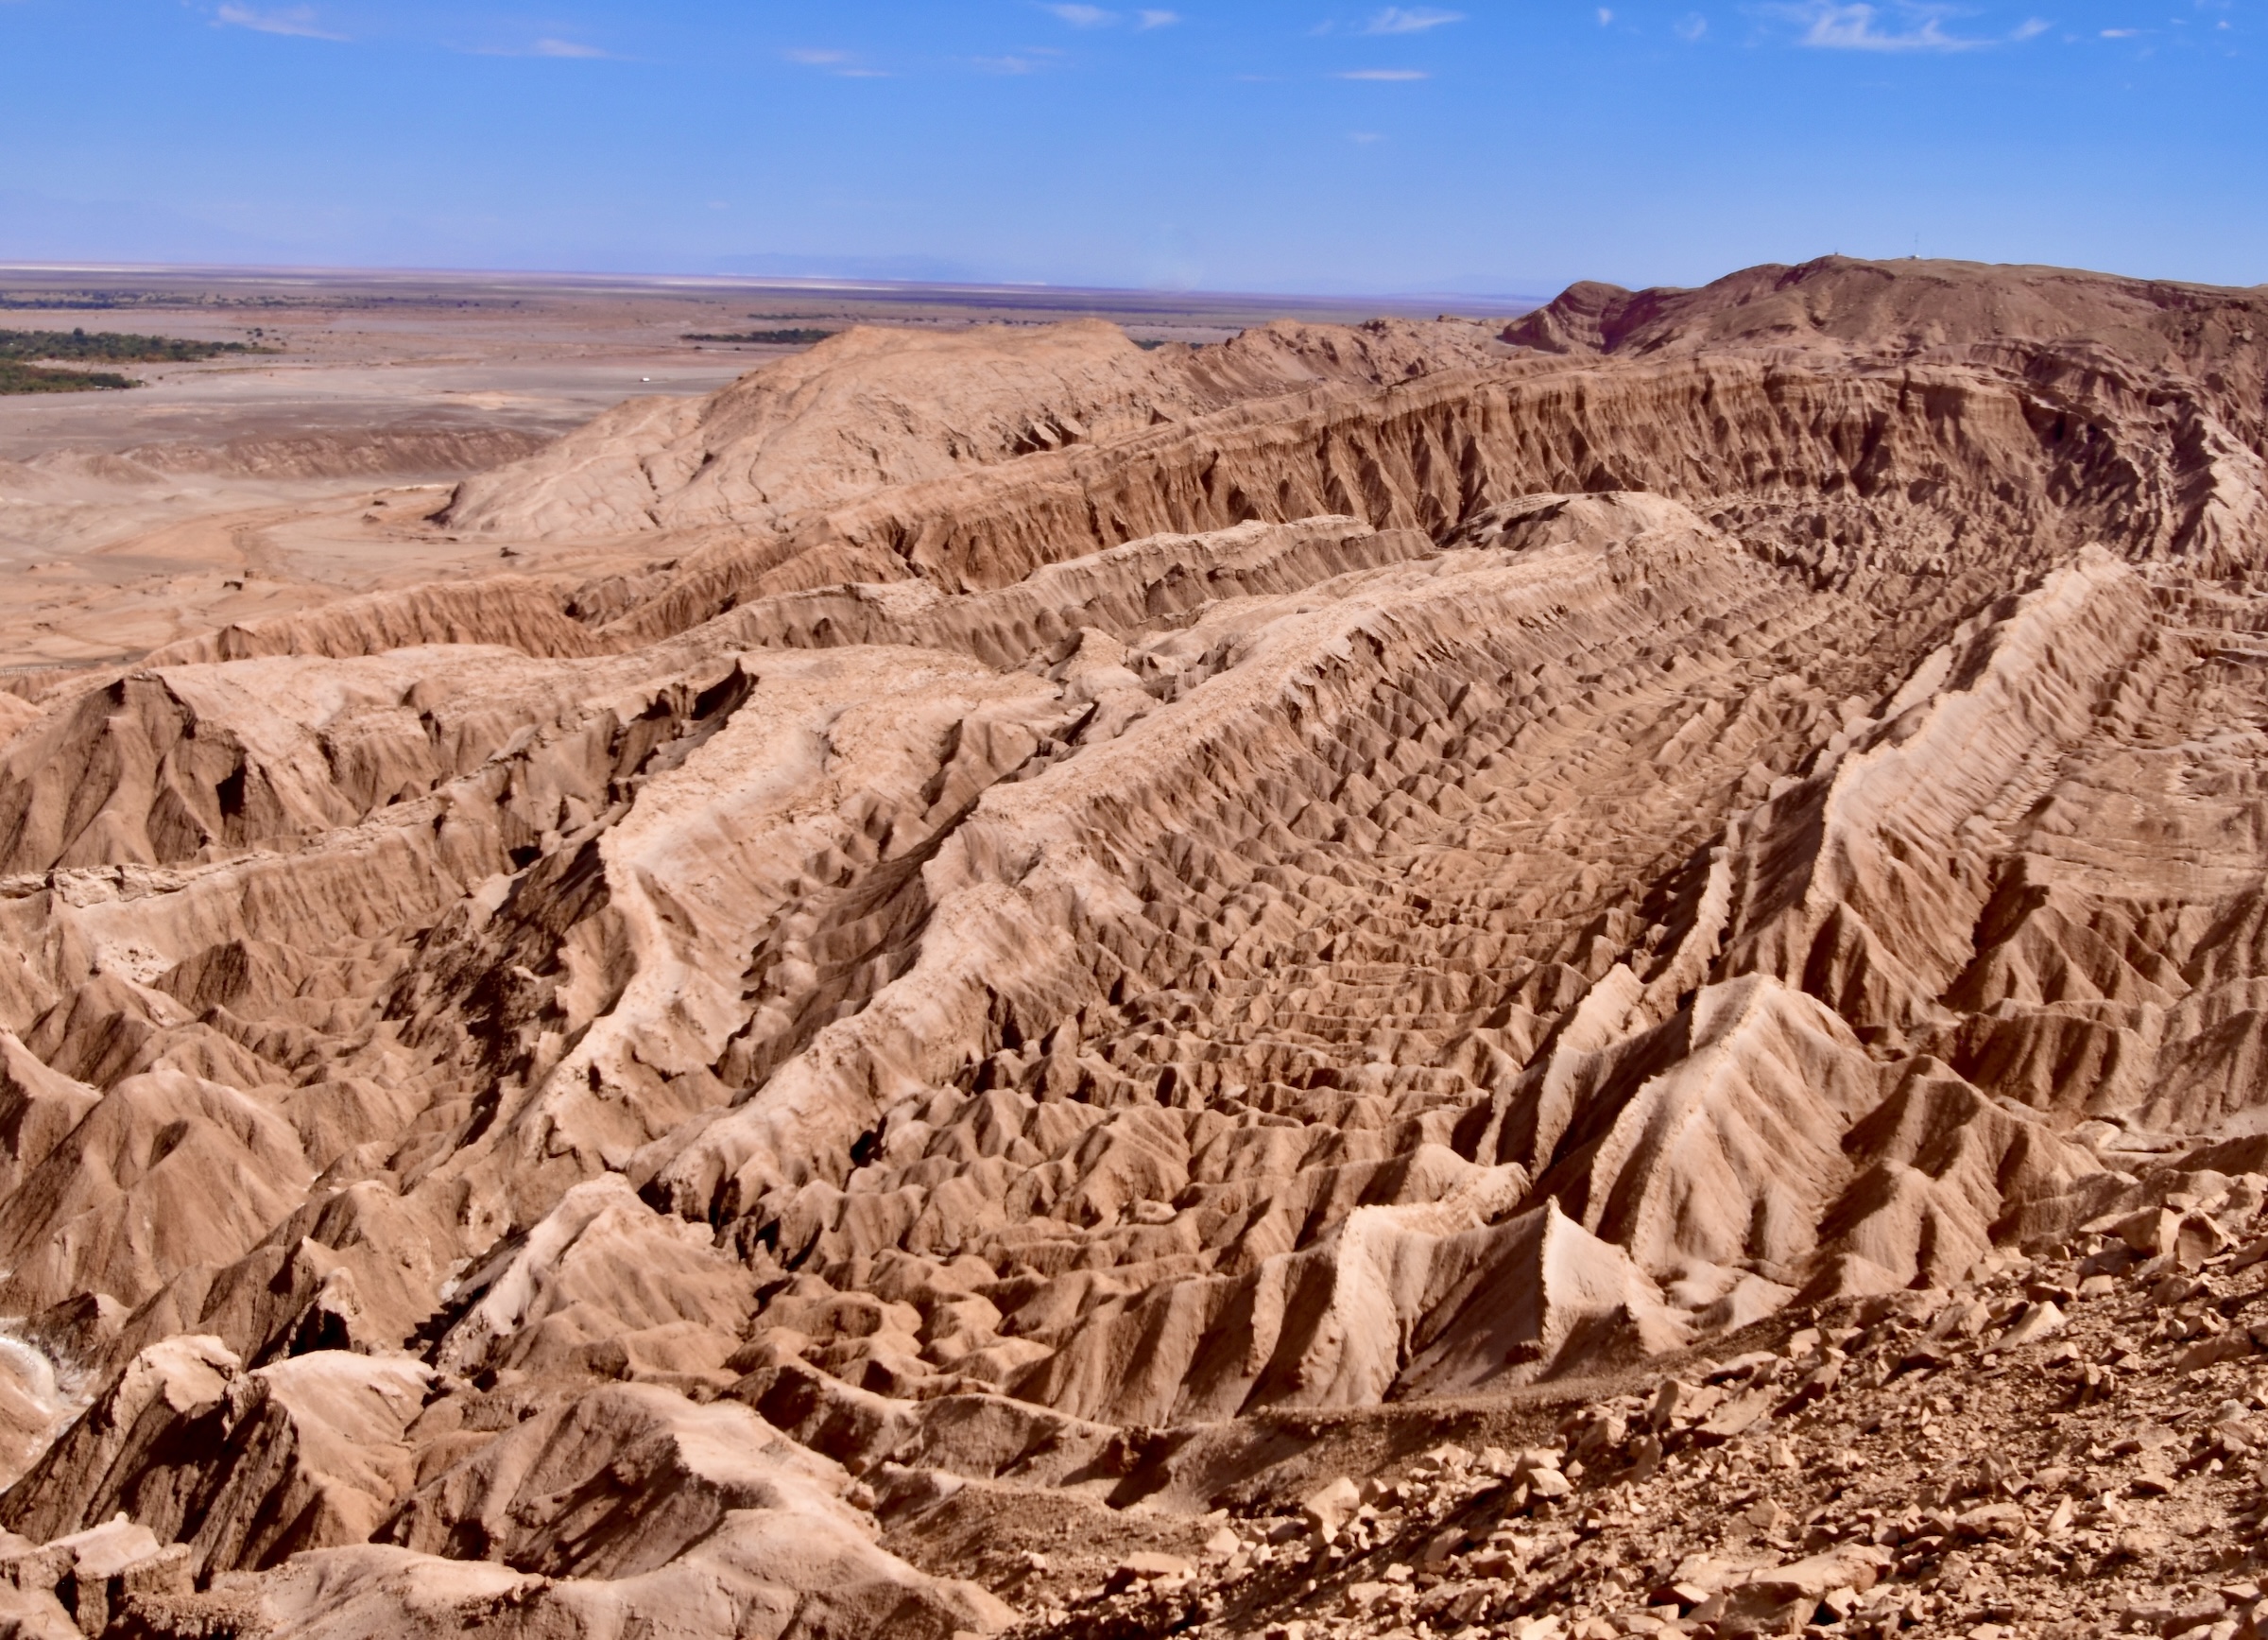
[766, 337]
[17, 377]
[114, 347]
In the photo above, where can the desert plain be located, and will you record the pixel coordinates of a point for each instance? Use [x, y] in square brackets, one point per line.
[252, 485]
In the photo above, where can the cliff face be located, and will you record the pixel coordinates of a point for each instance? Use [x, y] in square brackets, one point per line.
[1092, 901]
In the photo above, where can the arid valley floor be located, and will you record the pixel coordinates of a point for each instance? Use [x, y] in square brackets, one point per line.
[1113, 966]
[125, 517]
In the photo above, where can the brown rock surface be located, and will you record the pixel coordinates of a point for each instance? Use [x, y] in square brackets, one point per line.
[1106, 940]
[873, 408]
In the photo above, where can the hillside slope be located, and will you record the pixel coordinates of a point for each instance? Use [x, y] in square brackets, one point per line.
[1103, 931]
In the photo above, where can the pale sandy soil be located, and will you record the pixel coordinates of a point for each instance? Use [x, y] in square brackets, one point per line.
[246, 487]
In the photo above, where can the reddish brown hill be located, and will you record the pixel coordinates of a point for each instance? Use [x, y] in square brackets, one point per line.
[1904, 306]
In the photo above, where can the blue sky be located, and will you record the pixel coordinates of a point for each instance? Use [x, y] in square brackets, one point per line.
[1228, 145]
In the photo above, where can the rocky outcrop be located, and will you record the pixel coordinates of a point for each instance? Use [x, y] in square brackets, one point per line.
[507, 611]
[869, 410]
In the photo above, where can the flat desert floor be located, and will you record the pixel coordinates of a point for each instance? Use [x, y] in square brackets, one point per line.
[253, 485]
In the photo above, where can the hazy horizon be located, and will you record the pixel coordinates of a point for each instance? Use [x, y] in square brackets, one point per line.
[847, 279]
[1474, 149]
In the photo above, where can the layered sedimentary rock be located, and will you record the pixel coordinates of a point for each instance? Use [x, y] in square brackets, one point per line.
[1095, 903]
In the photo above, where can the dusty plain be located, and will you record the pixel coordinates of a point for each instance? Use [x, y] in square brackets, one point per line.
[251, 486]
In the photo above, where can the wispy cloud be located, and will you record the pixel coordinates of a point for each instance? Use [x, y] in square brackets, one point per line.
[1387, 74]
[1011, 64]
[1083, 16]
[297, 21]
[1410, 20]
[558, 50]
[1690, 28]
[2121, 33]
[1905, 25]
[1857, 27]
[1155, 19]
[842, 64]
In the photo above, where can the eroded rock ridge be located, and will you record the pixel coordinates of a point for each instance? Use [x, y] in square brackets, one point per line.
[1094, 904]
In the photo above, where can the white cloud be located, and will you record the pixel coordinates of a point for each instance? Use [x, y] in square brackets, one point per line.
[565, 50]
[1084, 16]
[1362, 139]
[1009, 66]
[839, 64]
[295, 21]
[2119, 33]
[1388, 74]
[1692, 28]
[1411, 20]
[1155, 19]
[1857, 27]
[1906, 26]
[1604, 17]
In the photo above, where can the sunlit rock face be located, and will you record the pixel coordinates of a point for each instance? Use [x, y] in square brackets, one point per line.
[1093, 900]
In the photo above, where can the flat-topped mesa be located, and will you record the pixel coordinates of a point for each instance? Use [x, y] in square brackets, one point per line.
[1096, 921]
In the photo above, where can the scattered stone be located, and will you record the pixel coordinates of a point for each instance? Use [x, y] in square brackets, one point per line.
[1329, 1509]
[2035, 1323]
[1735, 1416]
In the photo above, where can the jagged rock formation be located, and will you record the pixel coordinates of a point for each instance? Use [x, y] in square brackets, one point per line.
[1103, 905]
[2059, 1446]
[869, 409]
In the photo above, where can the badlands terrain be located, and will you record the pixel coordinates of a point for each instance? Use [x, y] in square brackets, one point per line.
[254, 485]
[1600, 976]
